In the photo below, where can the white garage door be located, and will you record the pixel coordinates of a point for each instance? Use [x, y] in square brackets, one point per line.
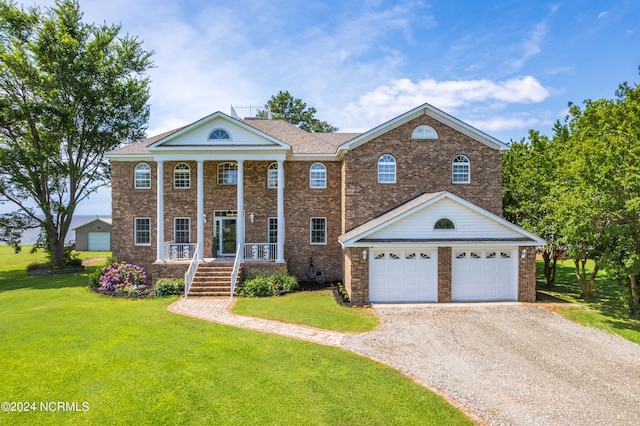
[99, 241]
[480, 274]
[403, 276]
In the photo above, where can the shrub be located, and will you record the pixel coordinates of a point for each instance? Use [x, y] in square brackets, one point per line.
[263, 285]
[94, 278]
[121, 277]
[168, 287]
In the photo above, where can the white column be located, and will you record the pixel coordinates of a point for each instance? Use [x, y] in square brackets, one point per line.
[160, 212]
[281, 234]
[200, 212]
[240, 208]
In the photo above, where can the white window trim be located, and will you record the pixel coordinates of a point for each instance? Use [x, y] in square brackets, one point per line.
[326, 231]
[175, 229]
[228, 138]
[324, 180]
[187, 170]
[135, 231]
[467, 163]
[395, 169]
[272, 183]
[218, 172]
[135, 177]
[269, 219]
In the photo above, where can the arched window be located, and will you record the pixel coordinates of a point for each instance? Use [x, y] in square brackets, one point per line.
[228, 173]
[424, 132]
[386, 169]
[142, 176]
[272, 175]
[460, 169]
[219, 134]
[318, 176]
[181, 176]
[444, 223]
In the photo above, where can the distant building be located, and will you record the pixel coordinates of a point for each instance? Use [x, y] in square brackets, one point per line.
[94, 235]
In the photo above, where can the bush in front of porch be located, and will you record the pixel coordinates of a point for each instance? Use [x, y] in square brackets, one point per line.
[268, 285]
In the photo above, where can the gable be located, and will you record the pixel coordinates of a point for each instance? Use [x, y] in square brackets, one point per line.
[414, 222]
[228, 133]
[434, 113]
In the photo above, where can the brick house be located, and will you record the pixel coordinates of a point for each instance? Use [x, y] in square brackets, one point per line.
[408, 211]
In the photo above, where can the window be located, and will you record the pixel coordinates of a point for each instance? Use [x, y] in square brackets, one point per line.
[424, 132]
[318, 176]
[272, 231]
[272, 175]
[142, 176]
[460, 170]
[379, 256]
[142, 231]
[462, 255]
[318, 230]
[444, 223]
[227, 173]
[219, 134]
[181, 230]
[181, 176]
[387, 169]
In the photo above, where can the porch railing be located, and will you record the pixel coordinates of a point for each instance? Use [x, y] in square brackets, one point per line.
[191, 272]
[236, 269]
[179, 251]
[260, 252]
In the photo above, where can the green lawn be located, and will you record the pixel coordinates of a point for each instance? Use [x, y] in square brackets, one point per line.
[607, 311]
[313, 308]
[134, 362]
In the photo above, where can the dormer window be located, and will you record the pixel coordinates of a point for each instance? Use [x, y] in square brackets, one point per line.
[424, 132]
[219, 134]
[444, 223]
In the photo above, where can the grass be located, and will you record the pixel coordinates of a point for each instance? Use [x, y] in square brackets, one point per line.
[134, 362]
[313, 308]
[606, 311]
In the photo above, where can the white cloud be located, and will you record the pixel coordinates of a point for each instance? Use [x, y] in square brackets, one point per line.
[499, 124]
[602, 15]
[401, 95]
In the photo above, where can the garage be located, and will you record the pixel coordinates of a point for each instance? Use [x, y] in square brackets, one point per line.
[99, 241]
[481, 274]
[408, 275]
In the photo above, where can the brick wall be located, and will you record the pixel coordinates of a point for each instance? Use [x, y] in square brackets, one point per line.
[444, 274]
[527, 275]
[301, 203]
[356, 276]
[422, 166]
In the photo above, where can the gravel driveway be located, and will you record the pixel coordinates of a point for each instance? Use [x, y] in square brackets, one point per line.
[513, 364]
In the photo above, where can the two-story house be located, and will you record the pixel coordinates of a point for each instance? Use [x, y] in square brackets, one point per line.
[409, 211]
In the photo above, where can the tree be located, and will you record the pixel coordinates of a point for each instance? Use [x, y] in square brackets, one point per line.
[69, 92]
[285, 107]
[529, 172]
[602, 164]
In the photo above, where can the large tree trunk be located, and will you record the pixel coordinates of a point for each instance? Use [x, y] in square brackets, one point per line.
[550, 258]
[635, 294]
[585, 282]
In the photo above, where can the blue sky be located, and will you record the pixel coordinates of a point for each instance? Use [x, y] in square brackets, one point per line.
[501, 66]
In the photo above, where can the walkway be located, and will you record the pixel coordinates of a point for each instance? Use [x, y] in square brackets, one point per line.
[217, 309]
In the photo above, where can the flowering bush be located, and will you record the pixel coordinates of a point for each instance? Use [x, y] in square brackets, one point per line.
[121, 277]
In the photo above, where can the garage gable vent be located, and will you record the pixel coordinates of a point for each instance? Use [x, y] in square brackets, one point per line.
[444, 223]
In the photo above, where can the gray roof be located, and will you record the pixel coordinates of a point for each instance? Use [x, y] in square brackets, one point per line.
[301, 142]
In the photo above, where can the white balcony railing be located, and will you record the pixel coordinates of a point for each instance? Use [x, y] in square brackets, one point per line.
[179, 251]
[260, 252]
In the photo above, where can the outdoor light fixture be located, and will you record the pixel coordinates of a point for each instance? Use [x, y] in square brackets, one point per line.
[204, 216]
[364, 254]
[252, 217]
[524, 253]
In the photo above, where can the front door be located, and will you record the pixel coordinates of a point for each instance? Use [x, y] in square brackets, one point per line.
[228, 236]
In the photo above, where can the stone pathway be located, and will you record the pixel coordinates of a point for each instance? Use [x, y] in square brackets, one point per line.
[218, 309]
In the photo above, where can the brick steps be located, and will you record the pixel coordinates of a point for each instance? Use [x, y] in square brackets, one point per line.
[212, 279]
